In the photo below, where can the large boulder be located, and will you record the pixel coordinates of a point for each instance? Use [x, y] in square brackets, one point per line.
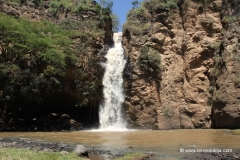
[81, 151]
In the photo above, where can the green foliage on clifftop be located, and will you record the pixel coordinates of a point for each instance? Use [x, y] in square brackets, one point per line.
[160, 4]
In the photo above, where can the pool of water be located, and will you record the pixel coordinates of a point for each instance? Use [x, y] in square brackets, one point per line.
[167, 142]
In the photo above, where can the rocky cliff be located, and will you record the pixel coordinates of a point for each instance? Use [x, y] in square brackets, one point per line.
[50, 54]
[197, 85]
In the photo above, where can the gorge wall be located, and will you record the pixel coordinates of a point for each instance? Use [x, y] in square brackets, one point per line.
[50, 54]
[197, 85]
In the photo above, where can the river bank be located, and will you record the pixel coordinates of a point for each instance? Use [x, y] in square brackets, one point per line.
[64, 148]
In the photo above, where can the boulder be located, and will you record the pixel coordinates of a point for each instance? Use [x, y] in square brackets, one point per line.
[81, 151]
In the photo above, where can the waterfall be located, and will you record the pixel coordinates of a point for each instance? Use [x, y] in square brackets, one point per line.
[111, 109]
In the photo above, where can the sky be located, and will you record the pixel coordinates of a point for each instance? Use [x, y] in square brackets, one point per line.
[121, 8]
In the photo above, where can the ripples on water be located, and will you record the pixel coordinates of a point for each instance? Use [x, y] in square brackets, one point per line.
[156, 140]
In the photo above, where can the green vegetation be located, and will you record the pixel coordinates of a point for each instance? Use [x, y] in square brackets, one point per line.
[36, 55]
[139, 9]
[149, 60]
[75, 6]
[216, 70]
[166, 111]
[13, 2]
[235, 132]
[211, 89]
[131, 156]
[24, 154]
[160, 4]
[135, 4]
[229, 19]
[32, 60]
[138, 17]
[216, 45]
[214, 73]
[135, 14]
[136, 27]
[37, 2]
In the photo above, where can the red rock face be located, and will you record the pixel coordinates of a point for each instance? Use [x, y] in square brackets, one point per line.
[188, 39]
[226, 109]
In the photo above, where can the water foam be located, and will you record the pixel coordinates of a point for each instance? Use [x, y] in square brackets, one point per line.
[111, 117]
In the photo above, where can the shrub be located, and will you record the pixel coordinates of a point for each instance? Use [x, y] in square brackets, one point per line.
[135, 14]
[37, 2]
[216, 45]
[171, 4]
[160, 4]
[211, 89]
[149, 60]
[136, 27]
[165, 112]
[229, 19]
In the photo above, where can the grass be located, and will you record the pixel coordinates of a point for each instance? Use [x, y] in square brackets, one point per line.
[235, 132]
[131, 156]
[25, 154]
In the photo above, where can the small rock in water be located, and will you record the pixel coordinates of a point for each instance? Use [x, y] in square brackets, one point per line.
[81, 150]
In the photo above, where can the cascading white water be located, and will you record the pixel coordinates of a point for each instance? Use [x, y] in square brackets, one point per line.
[110, 110]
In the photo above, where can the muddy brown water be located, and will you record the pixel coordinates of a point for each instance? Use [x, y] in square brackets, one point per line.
[166, 142]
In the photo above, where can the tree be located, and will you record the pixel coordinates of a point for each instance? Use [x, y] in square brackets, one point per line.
[107, 5]
[115, 22]
[135, 4]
